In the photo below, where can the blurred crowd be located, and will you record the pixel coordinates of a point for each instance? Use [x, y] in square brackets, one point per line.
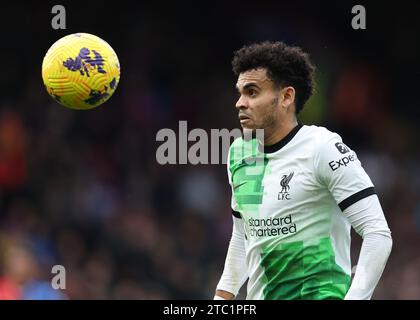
[83, 189]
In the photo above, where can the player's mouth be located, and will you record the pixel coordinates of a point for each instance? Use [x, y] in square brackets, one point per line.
[243, 118]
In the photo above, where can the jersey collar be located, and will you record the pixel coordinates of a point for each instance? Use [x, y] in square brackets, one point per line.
[280, 144]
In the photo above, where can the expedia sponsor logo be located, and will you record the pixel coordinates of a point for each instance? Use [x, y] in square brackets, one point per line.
[343, 162]
[271, 227]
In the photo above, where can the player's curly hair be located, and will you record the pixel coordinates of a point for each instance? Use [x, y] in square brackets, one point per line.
[285, 65]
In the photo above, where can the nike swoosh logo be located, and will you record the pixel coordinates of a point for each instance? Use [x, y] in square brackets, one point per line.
[238, 185]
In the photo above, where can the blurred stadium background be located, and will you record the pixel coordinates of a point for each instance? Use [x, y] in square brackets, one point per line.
[83, 189]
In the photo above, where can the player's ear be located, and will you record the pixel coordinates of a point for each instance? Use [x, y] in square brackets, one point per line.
[288, 97]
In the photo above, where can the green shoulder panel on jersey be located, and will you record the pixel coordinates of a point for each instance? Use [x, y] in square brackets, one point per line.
[295, 271]
[247, 168]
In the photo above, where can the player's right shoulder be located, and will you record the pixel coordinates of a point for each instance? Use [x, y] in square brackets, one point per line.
[241, 149]
[238, 142]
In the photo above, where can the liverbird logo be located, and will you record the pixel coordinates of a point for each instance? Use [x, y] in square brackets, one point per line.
[284, 182]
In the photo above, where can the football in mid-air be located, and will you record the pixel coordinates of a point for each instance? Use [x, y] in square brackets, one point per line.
[81, 71]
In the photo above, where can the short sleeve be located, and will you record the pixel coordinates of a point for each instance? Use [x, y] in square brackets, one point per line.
[338, 168]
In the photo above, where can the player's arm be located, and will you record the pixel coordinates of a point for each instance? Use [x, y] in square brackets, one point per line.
[367, 218]
[235, 272]
[339, 169]
[223, 295]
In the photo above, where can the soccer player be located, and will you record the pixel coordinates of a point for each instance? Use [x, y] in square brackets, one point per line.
[294, 205]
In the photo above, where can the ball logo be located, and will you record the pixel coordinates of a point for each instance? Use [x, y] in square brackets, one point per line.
[342, 147]
[83, 62]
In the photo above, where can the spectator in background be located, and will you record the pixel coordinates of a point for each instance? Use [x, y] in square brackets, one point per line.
[20, 273]
[13, 142]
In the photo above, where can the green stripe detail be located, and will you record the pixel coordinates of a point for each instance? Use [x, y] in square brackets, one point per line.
[248, 167]
[296, 271]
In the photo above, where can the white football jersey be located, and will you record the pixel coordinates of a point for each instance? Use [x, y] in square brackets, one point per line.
[290, 200]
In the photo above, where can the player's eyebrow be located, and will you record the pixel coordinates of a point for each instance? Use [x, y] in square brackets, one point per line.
[248, 86]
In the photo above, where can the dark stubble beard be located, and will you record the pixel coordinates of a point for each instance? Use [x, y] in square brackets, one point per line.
[270, 118]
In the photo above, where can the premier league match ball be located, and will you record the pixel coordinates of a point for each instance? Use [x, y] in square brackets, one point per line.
[81, 71]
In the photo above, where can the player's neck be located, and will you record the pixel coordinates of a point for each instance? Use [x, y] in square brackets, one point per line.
[279, 132]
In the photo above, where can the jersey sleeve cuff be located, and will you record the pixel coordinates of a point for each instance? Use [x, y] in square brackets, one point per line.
[236, 214]
[356, 197]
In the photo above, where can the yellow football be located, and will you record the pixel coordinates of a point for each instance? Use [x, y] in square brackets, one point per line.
[81, 71]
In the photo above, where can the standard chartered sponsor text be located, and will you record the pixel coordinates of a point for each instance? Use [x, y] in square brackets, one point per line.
[271, 227]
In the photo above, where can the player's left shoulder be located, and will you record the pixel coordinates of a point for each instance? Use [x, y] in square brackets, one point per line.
[320, 136]
[326, 143]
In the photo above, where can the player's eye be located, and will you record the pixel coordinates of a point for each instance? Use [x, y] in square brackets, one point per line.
[252, 93]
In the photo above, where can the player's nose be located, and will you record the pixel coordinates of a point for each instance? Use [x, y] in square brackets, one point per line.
[241, 103]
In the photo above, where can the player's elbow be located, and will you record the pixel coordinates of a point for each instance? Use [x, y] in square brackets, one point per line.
[376, 227]
[383, 239]
[382, 231]
[388, 242]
